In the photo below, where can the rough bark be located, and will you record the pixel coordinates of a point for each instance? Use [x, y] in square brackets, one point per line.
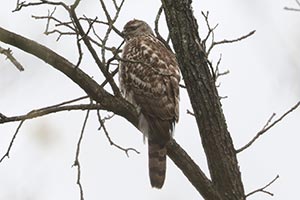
[216, 140]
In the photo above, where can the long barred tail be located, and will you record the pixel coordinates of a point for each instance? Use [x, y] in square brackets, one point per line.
[157, 163]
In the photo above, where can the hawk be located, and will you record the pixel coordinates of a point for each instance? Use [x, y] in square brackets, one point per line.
[149, 79]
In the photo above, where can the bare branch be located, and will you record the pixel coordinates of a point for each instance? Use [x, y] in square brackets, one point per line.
[11, 58]
[111, 22]
[229, 41]
[263, 189]
[210, 29]
[294, 9]
[49, 110]
[12, 141]
[94, 54]
[115, 52]
[267, 127]
[79, 49]
[192, 171]
[23, 4]
[2, 116]
[76, 162]
[102, 125]
[157, 21]
[158, 36]
[76, 3]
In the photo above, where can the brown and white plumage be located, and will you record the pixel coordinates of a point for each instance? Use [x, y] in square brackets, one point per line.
[149, 79]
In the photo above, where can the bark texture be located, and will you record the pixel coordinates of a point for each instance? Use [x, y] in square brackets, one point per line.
[216, 140]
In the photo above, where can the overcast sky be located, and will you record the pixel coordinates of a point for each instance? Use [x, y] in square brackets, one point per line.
[264, 78]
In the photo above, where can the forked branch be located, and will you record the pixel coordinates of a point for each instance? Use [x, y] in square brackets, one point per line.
[268, 126]
[111, 142]
[263, 189]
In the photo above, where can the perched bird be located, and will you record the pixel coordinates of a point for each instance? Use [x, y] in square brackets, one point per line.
[149, 79]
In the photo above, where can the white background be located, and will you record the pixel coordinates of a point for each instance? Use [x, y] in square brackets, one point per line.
[264, 78]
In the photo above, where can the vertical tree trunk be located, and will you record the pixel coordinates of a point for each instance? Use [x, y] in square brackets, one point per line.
[216, 140]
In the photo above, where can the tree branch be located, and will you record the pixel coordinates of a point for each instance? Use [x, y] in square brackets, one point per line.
[192, 171]
[11, 58]
[76, 162]
[118, 105]
[88, 44]
[12, 141]
[263, 189]
[294, 9]
[49, 110]
[268, 126]
[229, 41]
[126, 150]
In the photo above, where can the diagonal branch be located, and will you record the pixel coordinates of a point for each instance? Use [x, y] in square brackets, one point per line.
[267, 127]
[192, 171]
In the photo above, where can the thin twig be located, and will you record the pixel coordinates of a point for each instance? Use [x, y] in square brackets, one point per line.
[263, 189]
[292, 9]
[76, 162]
[49, 110]
[94, 53]
[190, 112]
[267, 127]
[182, 86]
[229, 41]
[11, 58]
[23, 4]
[210, 30]
[111, 22]
[12, 141]
[115, 55]
[158, 35]
[102, 125]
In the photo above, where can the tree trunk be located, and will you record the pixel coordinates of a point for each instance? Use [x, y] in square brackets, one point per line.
[216, 140]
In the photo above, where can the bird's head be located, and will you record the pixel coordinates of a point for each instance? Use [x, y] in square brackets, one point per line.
[136, 28]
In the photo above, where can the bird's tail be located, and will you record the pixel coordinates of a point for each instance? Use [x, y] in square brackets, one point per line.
[157, 163]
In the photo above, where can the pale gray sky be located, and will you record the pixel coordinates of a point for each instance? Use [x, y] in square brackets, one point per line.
[264, 78]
